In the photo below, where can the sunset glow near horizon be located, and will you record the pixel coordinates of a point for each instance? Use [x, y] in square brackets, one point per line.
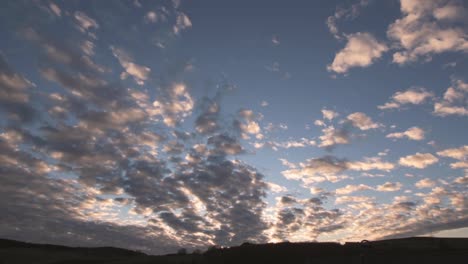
[159, 125]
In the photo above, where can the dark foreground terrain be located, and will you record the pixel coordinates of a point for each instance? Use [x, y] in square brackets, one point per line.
[424, 250]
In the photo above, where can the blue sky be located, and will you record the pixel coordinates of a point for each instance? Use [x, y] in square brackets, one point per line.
[155, 125]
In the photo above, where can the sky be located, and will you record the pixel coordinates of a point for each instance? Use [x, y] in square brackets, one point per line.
[159, 125]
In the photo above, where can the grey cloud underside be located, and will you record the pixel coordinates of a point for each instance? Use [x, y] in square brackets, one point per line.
[106, 144]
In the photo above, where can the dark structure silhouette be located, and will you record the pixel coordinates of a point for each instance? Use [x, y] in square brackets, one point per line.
[425, 250]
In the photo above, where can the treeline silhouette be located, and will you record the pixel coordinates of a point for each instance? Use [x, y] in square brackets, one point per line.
[408, 250]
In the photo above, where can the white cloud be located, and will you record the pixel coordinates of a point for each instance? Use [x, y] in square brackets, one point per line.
[352, 188]
[418, 160]
[415, 95]
[275, 188]
[425, 183]
[151, 17]
[361, 50]
[460, 153]
[389, 187]
[368, 164]
[182, 23]
[275, 40]
[85, 22]
[55, 9]
[428, 27]
[413, 133]
[138, 72]
[332, 137]
[329, 114]
[362, 121]
[344, 14]
[453, 102]
[353, 199]
[177, 105]
[317, 170]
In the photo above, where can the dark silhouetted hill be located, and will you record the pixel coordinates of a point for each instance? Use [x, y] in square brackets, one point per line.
[424, 250]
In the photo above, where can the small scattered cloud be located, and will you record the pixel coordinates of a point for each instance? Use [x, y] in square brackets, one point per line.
[343, 13]
[183, 22]
[425, 183]
[361, 50]
[348, 189]
[428, 28]
[418, 160]
[329, 114]
[362, 121]
[389, 187]
[413, 133]
[139, 73]
[84, 22]
[415, 96]
[454, 100]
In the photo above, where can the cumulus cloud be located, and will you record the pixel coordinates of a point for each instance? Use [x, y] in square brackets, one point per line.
[361, 50]
[174, 105]
[329, 114]
[342, 13]
[330, 168]
[425, 183]
[413, 133]
[389, 187]
[427, 28]
[416, 96]
[460, 154]
[374, 163]
[326, 168]
[84, 22]
[182, 23]
[332, 137]
[138, 72]
[418, 160]
[348, 189]
[454, 100]
[362, 121]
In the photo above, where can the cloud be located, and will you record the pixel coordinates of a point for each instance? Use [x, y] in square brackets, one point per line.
[275, 40]
[138, 72]
[332, 137]
[368, 164]
[453, 102]
[418, 160]
[322, 169]
[425, 183]
[361, 50]
[330, 168]
[182, 23]
[247, 124]
[55, 9]
[84, 22]
[362, 121]
[353, 199]
[413, 133]
[329, 114]
[275, 145]
[275, 188]
[344, 14]
[460, 153]
[427, 28]
[348, 189]
[389, 187]
[15, 93]
[416, 96]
